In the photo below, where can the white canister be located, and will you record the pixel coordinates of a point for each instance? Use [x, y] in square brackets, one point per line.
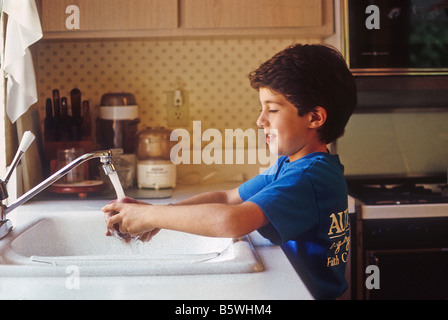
[156, 174]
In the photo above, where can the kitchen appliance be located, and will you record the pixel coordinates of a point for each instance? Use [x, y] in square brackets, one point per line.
[117, 129]
[401, 226]
[154, 144]
[154, 168]
[396, 37]
[156, 174]
[397, 52]
[118, 120]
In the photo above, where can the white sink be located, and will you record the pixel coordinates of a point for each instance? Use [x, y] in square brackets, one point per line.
[48, 244]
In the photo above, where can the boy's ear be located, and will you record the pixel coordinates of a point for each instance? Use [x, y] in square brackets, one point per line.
[318, 116]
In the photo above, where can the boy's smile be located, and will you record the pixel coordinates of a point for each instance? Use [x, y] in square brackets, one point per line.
[287, 133]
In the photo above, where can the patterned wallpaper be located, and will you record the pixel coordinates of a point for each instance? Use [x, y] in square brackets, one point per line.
[213, 71]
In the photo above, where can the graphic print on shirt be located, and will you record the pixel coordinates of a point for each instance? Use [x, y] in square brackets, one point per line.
[339, 233]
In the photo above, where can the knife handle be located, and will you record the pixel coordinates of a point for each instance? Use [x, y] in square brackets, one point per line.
[48, 123]
[56, 115]
[75, 96]
[86, 120]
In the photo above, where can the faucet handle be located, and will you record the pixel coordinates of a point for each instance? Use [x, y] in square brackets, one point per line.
[27, 139]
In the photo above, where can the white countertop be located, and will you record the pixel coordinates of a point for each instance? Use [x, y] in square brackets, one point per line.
[278, 281]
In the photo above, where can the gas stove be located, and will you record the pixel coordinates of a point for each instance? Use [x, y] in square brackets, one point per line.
[400, 226]
[400, 197]
[402, 194]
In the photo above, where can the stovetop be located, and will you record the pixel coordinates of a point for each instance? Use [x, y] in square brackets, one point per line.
[401, 194]
[400, 197]
[397, 190]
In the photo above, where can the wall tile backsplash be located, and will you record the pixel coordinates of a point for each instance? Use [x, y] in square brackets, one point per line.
[213, 71]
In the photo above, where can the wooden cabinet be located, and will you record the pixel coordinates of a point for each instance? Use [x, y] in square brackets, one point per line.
[184, 18]
[109, 16]
[216, 14]
[309, 18]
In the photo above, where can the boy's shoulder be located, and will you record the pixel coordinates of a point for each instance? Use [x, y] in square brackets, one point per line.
[313, 161]
[316, 168]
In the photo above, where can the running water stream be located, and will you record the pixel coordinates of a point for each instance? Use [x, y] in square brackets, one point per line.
[117, 185]
[120, 196]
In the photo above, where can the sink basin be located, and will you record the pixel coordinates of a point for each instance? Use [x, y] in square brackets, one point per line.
[47, 244]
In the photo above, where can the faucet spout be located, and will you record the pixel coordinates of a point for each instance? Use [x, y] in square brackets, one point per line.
[105, 157]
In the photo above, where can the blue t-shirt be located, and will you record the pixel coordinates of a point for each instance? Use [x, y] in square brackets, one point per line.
[306, 204]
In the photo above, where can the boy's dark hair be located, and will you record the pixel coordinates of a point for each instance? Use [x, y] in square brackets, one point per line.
[310, 76]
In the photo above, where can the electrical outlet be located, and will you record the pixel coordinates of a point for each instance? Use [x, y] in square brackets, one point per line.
[178, 113]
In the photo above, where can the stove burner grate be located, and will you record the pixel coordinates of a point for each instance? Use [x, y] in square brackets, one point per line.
[399, 194]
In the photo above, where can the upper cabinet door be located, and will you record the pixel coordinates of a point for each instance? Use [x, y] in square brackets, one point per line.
[110, 15]
[186, 18]
[218, 14]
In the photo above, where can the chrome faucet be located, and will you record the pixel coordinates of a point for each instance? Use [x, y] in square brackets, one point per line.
[5, 224]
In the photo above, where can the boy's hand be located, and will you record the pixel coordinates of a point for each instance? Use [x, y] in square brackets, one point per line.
[115, 230]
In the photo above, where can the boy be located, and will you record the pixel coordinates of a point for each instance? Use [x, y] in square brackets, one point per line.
[307, 95]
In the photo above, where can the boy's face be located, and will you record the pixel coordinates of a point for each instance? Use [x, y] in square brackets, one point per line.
[287, 133]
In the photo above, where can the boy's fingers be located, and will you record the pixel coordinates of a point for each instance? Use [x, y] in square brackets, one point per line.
[113, 220]
[116, 206]
[109, 214]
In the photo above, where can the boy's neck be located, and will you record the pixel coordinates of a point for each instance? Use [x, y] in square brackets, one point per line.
[321, 147]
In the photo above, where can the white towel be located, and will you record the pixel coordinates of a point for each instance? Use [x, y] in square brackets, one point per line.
[22, 30]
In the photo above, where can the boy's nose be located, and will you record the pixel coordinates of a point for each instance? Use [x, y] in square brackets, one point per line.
[261, 121]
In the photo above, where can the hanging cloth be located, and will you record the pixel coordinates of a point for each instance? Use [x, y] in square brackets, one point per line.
[22, 30]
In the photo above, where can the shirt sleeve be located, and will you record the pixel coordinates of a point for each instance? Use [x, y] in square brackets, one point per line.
[257, 183]
[252, 187]
[290, 205]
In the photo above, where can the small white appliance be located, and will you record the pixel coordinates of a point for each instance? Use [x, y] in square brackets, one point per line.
[156, 174]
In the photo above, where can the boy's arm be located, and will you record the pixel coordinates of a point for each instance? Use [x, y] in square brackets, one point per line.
[228, 196]
[212, 219]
